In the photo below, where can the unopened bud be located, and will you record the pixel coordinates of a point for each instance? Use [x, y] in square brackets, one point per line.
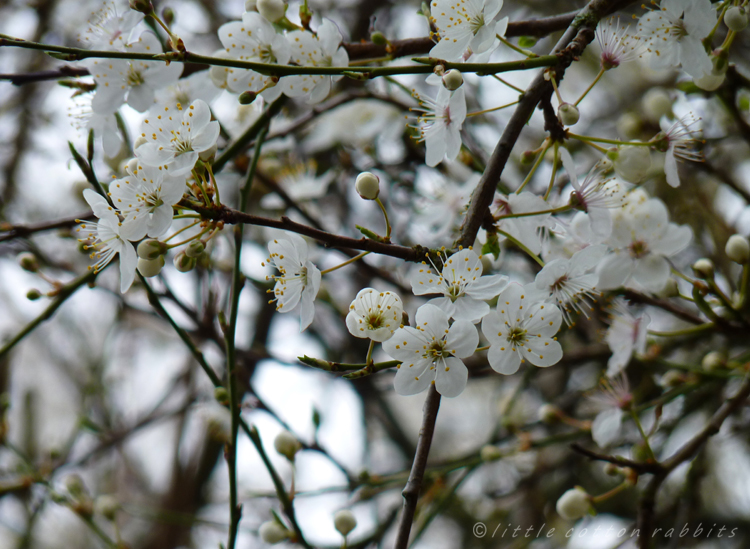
[167, 15]
[28, 262]
[208, 154]
[736, 18]
[549, 413]
[33, 294]
[528, 157]
[143, 6]
[490, 452]
[713, 361]
[151, 267]
[272, 532]
[629, 125]
[251, 5]
[344, 521]
[221, 395]
[710, 81]
[452, 79]
[273, 10]
[75, 486]
[287, 445]
[574, 504]
[670, 289]
[195, 248]
[568, 114]
[107, 506]
[183, 263]
[703, 268]
[246, 98]
[379, 38]
[672, 379]
[612, 470]
[368, 185]
[151, 249]
[656, 103]
[738, 249]
[633, 163]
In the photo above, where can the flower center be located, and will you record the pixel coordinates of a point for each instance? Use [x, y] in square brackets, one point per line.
[436, 350]
[517, 336]
[476, 23]
[134, 78]
[638, 249]
[559, 284]
[375, 321]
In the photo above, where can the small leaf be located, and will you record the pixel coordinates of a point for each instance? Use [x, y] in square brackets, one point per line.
[527, 41]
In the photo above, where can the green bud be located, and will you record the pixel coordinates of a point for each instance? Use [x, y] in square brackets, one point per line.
[195, 249]
[221, 394]
[151, 249]
[183, 263]
[143, 6]
[378, 38]
[246, 98]
[28, 262]
[167, 15]
[344, 521]
[33, 294]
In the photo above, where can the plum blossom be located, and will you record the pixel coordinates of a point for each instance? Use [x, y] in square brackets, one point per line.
[613, 398]
[466, 26]
[462, 284]
[136, 81]
[105, 238]
[375, 315]
[617, 44]
[308, 50]
[299, 279]
[522, 328]
[626, 336]
[253, 39]
[569, 281]
[678, 140]
[674, 32]
[108, 30]
[175, 136]
[431, 352]
[145, 197]
[642, 238]
[300, 182]
[596, 195]
[440, 124]
[527, 229]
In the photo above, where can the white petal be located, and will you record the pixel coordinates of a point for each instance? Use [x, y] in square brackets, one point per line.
[462, 339]
[451, 381]
[606, 426]
[413, 378]
[503, 359]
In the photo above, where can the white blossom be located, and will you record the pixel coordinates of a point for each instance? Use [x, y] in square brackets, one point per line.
[106, 240]
[527, 229]
[440, 124]
[522, 328]
[175, 136]
[145, 198]
[462, 284]
[674, 32]
[301, 183]
[642, 238]
[678, 140]
[253, 39]
[626, 336]
[431, 352]
[375, 315]
[466, 26]
[299, 279]
[617, 44]
[136, 81]
[612, 399]
[108, 30]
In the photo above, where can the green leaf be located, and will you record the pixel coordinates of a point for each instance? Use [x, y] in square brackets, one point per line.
[527, 42]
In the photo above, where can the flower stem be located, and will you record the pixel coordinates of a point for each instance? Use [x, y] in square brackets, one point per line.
[387, 223]
[598, 76]
[555, 165]
[586, 138]
[511, 86]
[545, 147]
[637, 422]
[492, 109]
[345, 263]
[524, 248]
[512, 46]
[613, 492]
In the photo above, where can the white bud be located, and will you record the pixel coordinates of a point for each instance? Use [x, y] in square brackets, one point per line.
[208, 154]
[272, 532]
[670, 289]
[107, 506]
[549, 413]
[633, 163]
[710, 81]
[287, 445]
[250, 5]
[629, 125]
[453, 79]
[568, 114]
[656, 103]
[344, 521]
[672, 379]
[703, 268]
[713, 361]
[735, 18]
[150, 267]
[368, 185]
[195, 248]
[151, 249]
[490, 452]
[132, 166]
[273, 10]
[738, 249]
[573, 504]
[183, 263]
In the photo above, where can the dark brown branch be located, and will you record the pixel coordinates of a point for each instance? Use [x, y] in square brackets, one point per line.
[638, 467]
[569, 47]
[10, 232]
[414, 484]
[663, 304]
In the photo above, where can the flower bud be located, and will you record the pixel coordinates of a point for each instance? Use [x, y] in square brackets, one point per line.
[151, 249]
[272, 532]
[490, 452]
[75, 486]
[273, 10]
[612, 470]
[672, 379]
[246, 98]
[28, 262]
[633, 163]
[735, 18]
[107, 506]
[195, 248]
[629, 125]
[738, 249]
[379, 38]
[713, 361]
[287, 445]
[573, 504]
[452, 79]
[150, 267]
[368, 185]
[344, 522]
[703, 268]
[568, 114]
[670, 289]
[143, 6]
[656, 103]
[549, 413]
[167, 15]
[710, 81]
[208, 154]
[33, 294]
[251, 5]
[183, 263]
[221, 395]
